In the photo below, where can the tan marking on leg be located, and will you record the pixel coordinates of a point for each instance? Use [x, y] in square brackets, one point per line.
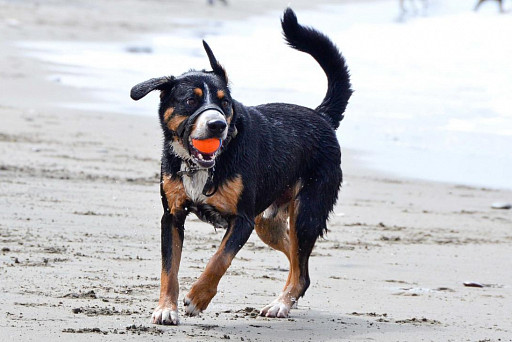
[205, 288]
[294, 273]
[294, 286]
[168, 113]
[175, 121]
[227, 195]
[175, 193]
[293, 276]
[221, 94]
[274, 231]
[198, 92]
[169, 284]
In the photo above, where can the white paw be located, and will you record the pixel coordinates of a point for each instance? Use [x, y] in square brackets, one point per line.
[276, 309]
[165, 316]
[190, 308]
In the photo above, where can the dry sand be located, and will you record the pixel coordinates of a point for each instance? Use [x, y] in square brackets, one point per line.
[80, 210]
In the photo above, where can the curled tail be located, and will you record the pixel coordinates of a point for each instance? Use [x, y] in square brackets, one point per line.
[323, 50]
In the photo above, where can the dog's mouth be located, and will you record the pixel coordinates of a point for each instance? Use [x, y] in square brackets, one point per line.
[204, 151]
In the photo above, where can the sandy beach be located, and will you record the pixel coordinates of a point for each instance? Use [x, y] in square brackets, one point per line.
[80, 220]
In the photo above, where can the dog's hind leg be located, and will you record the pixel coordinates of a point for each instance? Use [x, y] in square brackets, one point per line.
[293, 287]
[274, 232]
[272, 229]
[308, 213]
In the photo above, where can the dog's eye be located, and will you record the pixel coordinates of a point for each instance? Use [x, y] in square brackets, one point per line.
[191, 101]
[225, 103]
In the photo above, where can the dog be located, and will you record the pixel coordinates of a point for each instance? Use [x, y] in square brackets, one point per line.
[500, 3]
[247, 168]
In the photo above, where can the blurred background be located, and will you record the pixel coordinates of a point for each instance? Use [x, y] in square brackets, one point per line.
[432, 78]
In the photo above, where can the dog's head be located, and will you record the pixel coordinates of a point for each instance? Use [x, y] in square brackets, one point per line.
[196, 111]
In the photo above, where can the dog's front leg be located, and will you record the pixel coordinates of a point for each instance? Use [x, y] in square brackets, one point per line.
[205, 288]
[172, 242]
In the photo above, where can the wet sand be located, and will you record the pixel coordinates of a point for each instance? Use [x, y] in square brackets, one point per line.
[80, 212]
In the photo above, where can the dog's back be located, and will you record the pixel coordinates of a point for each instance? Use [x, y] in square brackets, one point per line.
[298, 142]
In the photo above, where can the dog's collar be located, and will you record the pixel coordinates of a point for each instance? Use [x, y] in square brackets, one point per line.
[191, 170]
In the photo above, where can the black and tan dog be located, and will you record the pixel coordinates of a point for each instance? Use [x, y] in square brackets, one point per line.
[245, 168]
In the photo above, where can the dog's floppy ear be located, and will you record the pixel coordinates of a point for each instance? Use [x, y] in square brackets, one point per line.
[217, 68]
[142, 89]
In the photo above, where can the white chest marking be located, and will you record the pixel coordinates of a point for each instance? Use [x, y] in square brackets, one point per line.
[194, 184]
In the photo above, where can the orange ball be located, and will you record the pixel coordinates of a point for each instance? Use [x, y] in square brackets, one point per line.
[206, 145]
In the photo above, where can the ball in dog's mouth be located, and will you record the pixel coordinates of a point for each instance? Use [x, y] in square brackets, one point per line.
[204, 151]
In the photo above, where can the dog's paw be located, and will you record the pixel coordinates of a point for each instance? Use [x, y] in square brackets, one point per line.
[190, 308]
[197, 300]
[165, 316]
[276, 309]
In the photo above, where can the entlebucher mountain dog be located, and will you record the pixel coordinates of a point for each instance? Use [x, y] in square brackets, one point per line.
[274, 168]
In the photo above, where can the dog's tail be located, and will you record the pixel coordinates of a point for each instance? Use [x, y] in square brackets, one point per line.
[323, 50]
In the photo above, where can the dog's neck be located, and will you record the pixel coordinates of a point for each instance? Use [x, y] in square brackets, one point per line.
[198, 182]
[194, 182]
[186, 169]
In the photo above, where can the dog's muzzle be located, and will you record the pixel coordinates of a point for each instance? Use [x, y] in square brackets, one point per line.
[209, 122]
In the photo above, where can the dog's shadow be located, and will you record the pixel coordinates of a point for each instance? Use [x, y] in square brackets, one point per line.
[305, 324]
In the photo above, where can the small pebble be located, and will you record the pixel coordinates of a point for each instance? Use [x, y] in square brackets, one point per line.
[139, 49]
[473, 284]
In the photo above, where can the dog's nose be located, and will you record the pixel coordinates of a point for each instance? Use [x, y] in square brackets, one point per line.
[216, 126]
